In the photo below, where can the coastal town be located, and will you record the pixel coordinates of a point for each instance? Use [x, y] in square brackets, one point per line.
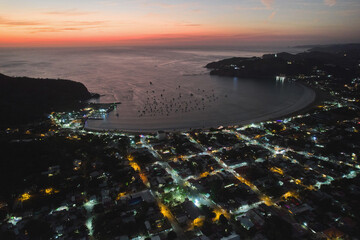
[291, 178]
[180, 120]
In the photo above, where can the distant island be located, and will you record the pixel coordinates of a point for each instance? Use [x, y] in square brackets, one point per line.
[340, 61]
[333, 48]
[24, 99]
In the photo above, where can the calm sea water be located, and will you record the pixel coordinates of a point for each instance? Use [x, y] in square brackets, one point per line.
[162, 88]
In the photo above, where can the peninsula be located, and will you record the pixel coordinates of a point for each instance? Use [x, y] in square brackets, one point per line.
[340, 61]
[24, 99]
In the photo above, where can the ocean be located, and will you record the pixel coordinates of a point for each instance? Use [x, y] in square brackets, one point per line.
[162, 88]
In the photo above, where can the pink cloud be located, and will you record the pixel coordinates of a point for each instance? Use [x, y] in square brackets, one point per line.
[330, 3]
[268, 3]
[272, 15]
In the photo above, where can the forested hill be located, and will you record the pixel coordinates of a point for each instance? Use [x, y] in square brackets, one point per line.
[24, 99]
[341, 61]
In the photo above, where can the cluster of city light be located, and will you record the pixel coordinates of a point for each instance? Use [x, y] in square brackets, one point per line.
[197, 222]
[24, 197]
[14, 220]
[135, 166]
[218, 212]
[277, 170]
[290, 195]
[199, 198]
[120, 195]
[49, 191]
[165, 211]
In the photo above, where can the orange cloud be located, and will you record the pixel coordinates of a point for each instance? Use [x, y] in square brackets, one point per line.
[29, 26]
[11, 23]
[83, 23]
[70, 12]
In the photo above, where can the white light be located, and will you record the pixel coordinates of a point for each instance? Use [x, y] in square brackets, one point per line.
[90, 205]
[14, 220]
[61, 209]
[88, 224]
[197, 203]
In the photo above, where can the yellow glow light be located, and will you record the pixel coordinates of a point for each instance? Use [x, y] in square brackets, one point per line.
[130, 158]
[277, 170]
[49, 191]
[120, 195]
[311, 188]
[165, 211]
[135, 166]
[267, 200]
[204, 174]
[24, 197]
[218, 212]
[144, 179]
[198, 222]
[290, 194]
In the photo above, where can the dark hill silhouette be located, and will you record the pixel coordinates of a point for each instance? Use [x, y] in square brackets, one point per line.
[336, 48]
[339, 60]
[24, 99]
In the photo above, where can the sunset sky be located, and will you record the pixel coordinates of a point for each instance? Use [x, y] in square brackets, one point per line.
[177, 22]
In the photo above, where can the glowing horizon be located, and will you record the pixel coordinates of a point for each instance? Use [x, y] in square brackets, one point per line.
[177, 22]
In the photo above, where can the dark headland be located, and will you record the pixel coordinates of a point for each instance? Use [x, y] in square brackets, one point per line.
[339, 61]
[24, 99]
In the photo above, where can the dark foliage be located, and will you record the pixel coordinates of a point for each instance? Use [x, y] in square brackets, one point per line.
[23, 99]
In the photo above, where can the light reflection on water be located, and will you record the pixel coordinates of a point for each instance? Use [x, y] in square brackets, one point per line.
[181, 94]
[235, 81]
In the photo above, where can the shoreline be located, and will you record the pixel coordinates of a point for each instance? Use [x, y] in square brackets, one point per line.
[319, 96]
